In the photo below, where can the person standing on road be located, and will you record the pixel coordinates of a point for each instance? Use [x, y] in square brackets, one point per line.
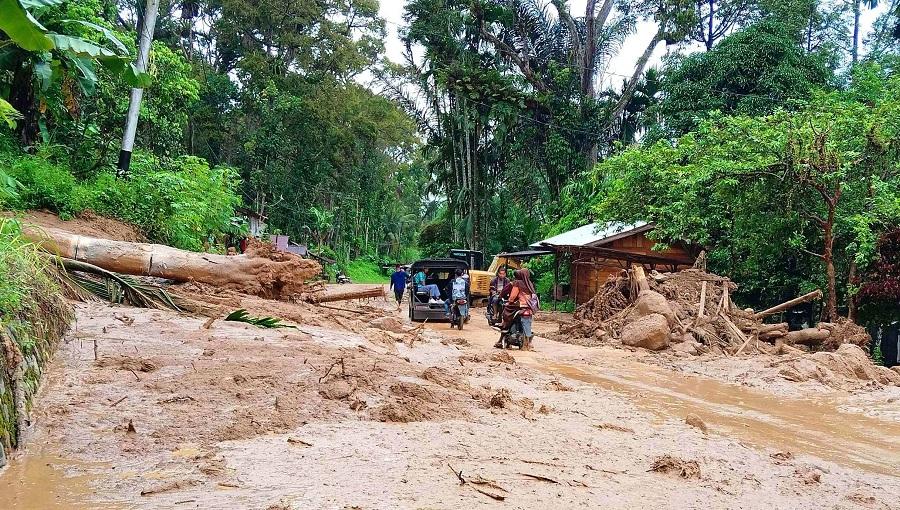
[398, 283]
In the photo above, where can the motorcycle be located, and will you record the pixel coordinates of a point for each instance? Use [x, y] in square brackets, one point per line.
[459, 313]
[342, 278]
[514, 336]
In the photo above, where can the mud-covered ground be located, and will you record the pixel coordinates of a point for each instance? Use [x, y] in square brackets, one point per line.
[351, 410]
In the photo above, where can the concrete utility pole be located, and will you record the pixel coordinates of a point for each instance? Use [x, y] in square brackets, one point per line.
[134, 107]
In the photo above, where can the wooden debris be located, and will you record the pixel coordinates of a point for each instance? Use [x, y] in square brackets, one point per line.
[463, 481]
[300, 442]
[209, 322]
[540, 478]
[345, 295]
[814, 295]
[702, 307]
[808, 336]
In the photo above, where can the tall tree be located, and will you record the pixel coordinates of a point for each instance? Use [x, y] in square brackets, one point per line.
[782, 202]
[857, 12]
[753, 72]
[717, 18]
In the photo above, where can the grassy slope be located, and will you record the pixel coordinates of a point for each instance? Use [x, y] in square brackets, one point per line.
[363, 271]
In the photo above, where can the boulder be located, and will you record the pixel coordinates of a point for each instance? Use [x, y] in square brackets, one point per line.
[650, 332]
[649, 302]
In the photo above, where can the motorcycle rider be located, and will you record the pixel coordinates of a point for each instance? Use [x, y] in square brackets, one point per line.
[498, 283]
[521, 294]
[457, 289]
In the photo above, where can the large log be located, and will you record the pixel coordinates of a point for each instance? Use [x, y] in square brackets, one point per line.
[816, 294]
[768, 328]
[808, 336]
[770, 336]
[262, 270]
[346, 295]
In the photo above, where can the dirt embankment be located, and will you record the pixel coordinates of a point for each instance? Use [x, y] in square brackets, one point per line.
[87, 224]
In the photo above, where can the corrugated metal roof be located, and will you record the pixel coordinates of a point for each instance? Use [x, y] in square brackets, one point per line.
[593, 234]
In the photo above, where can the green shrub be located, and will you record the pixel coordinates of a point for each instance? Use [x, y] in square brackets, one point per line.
[181, 202]
[184, 202]
[30, 300]
[44, 185]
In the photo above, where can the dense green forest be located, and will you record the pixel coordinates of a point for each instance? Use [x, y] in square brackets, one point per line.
[768, 134]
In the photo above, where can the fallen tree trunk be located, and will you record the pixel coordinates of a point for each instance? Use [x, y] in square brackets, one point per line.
[770, 336]
[769, 328]
[329, 297]
[808, 336]
[261, 271]
[816, 294]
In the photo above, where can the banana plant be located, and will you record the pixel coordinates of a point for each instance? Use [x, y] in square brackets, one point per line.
[54, 53]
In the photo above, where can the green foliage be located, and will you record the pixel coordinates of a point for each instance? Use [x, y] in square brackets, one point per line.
[44, 185]
[751, 72]
[877, 355]
[181, 202]
[436, 238]
[8, 114]
[363, 270]
[755, 191]
[242, 315]
[25, 285]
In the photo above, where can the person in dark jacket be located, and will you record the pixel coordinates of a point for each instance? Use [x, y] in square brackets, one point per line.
[398, 283]
[498, 283]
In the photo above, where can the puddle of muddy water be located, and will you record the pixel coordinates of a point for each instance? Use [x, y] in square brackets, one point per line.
[38, 481]
[817, 428]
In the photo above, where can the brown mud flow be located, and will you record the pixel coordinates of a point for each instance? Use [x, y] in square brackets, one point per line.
[801, 426]
[797, 425]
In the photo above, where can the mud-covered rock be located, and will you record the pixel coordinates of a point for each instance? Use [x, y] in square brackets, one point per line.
[388, 324]
[650, 332]
[687, 348]
[841, 369]
[695, 421]
[503, 357]
[649, 303]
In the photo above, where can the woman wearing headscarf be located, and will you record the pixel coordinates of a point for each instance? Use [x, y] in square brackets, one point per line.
[520, 295]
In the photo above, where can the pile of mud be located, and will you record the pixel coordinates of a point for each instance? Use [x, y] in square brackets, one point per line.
[835, 369]
[690, 311]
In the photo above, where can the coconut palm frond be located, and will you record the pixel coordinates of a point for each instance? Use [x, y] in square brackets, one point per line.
[241, 315]
[86, 281]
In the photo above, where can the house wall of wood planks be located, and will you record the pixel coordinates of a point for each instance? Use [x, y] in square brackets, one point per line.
[590, 273]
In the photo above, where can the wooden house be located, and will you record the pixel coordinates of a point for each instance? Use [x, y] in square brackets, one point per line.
[597, 251]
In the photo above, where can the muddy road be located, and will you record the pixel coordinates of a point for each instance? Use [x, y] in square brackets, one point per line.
[351, 410]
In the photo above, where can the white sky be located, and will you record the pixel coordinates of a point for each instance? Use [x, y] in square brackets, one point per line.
[623, 63]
